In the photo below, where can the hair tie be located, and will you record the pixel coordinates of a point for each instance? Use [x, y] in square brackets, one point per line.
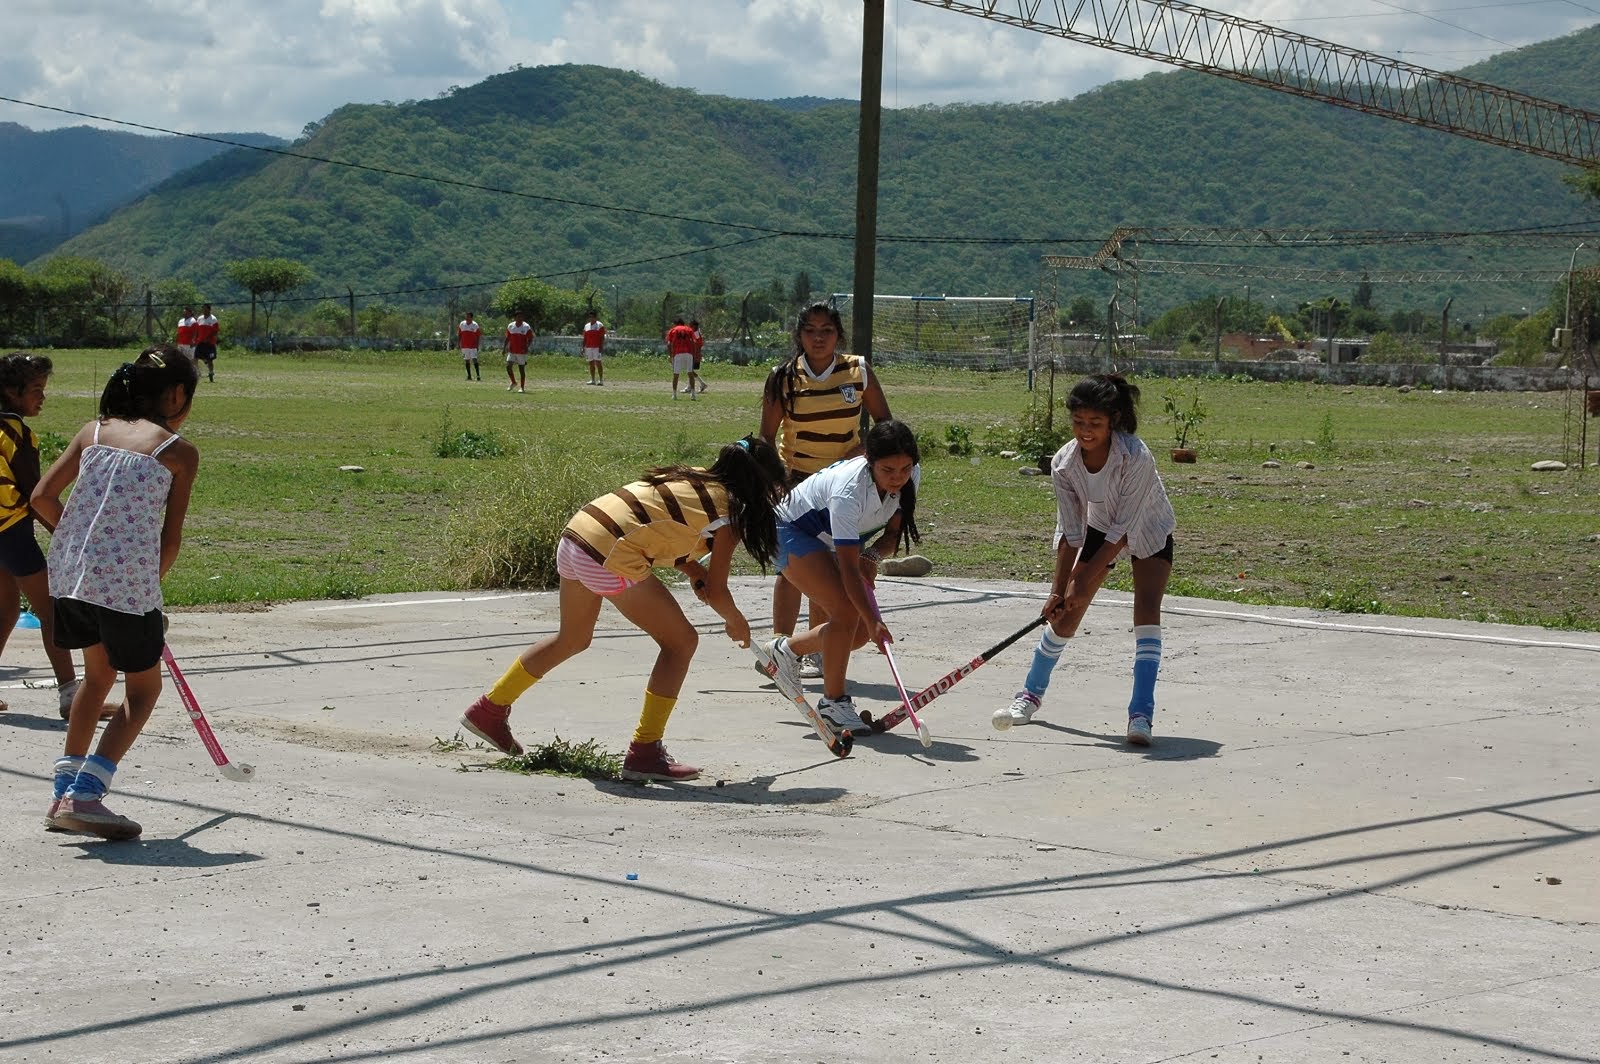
[743, 442]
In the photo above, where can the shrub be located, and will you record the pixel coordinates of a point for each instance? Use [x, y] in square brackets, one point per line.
[506, 535]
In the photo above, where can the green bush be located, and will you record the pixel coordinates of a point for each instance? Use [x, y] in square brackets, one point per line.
[467, 443]
[958, 440]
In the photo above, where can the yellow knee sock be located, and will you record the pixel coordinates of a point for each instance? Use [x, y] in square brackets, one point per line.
[510, 687]
[653, 718]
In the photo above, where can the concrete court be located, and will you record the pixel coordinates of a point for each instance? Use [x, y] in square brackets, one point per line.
[1356, 839]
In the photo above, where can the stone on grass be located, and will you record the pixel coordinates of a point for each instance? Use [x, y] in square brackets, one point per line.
[1549, 466]
[910, 565]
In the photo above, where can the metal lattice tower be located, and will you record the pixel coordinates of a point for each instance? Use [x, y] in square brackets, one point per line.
[1124, 256]
[1252, 52]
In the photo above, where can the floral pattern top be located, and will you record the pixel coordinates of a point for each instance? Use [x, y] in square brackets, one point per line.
[107, 548]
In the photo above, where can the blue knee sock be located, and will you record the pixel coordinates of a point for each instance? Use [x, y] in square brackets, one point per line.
[93, 779]
[66, 770]
[1146, 664]
[1045, 656]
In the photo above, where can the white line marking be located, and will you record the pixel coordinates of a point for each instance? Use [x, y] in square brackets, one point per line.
[428, 602]
[1297, 622]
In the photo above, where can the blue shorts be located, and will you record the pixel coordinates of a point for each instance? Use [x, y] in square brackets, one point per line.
[793, 543]
[19, 550]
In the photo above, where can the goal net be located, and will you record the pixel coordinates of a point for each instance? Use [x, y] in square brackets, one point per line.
[970, 332]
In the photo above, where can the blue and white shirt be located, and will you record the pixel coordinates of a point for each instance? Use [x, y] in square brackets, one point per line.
[1125, 498]
[840, 505]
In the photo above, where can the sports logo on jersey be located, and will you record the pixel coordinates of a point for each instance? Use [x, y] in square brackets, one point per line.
[848, 393]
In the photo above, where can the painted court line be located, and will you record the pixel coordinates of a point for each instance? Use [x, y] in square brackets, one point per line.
[1298, 622]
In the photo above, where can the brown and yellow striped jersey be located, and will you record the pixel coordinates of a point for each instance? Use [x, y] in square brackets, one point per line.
[642, 525]
[825, 424]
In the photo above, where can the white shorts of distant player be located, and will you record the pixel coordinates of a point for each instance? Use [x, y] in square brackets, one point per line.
[470, 354]
[594, 354]
[187, 351]
[516, 360]
[682, 364]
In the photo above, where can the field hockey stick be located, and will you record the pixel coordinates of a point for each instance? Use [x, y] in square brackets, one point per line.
[898, 716]
[240, 773]
[905, 702]
[839, 744]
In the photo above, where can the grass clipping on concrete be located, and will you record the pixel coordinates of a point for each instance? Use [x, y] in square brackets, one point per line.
[585, 760]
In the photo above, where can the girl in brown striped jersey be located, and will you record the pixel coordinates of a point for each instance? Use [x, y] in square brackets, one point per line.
[668, 518]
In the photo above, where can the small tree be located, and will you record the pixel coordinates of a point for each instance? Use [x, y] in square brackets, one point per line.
[171, 296]
[267, 281]
[543, 306]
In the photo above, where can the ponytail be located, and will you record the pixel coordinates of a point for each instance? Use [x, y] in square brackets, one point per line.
[1110, 394]
[135, 389]
[753, 476]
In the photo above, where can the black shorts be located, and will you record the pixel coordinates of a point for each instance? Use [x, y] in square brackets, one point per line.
[1093, 539]
[205, 352]
[133, 643]
[19, 550]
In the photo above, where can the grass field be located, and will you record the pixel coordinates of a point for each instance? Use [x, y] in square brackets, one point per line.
[1416, 503]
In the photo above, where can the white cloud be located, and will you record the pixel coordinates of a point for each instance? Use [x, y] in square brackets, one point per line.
[210, 65]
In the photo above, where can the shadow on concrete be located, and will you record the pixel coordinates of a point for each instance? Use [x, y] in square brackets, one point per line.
[968, 953]
[1165, 747]
[756, 791]
[25, 721]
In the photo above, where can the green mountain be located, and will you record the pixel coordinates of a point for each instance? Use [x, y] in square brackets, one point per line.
[582, 173]
[54, 183]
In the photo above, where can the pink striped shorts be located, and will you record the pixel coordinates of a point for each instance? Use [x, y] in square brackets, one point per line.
[574, 564]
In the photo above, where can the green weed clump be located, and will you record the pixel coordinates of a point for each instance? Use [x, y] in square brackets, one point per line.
[585, 760]
[468, 443]
[505, 534]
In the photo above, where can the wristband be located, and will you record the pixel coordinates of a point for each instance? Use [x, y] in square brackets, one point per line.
[871, 554]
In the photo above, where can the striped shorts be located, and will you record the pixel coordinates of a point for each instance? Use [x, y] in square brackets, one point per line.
[573, 564]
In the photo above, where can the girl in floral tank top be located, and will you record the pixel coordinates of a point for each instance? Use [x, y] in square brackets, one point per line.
[116, 537]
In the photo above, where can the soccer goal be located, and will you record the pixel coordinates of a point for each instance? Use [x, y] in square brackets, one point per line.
[971, 332]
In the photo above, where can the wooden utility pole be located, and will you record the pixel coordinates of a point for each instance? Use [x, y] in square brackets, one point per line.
[867, 179]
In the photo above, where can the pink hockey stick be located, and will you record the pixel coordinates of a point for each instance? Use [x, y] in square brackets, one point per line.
[240, 773]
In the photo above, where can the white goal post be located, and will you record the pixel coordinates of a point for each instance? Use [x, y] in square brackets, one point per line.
[969, 332]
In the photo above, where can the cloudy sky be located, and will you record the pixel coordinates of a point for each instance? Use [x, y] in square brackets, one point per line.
[245, 65]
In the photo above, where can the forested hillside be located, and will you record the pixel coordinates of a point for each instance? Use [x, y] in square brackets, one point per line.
[54, 183]
[604, 176]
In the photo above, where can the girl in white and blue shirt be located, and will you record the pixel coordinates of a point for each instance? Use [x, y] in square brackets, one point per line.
[833, 530]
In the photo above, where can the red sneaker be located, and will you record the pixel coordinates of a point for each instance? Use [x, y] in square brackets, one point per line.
[93, 818]
[492, 724]
[650, 761]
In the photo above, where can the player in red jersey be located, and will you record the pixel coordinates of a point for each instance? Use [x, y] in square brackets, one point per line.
[519, 337]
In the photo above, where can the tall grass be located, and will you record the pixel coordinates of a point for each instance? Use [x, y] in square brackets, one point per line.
[505, 531]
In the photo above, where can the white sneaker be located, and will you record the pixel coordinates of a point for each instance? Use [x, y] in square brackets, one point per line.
[841, 713]
[811, 667]
[785, 667]
[1020, 711]
[64, 693]
[1139, 731]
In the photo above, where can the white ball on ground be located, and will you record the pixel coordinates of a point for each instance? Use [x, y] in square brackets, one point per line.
[1001, 719]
